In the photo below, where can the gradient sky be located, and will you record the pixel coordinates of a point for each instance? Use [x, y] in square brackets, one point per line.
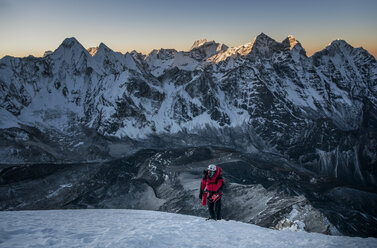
[34, 26]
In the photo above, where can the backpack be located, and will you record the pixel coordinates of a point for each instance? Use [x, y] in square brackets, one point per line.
[220, 176]
[220, 171]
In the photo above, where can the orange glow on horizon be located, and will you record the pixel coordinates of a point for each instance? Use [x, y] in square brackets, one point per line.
[310, 50]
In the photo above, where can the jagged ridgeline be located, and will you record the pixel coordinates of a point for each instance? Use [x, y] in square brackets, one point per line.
[73, 104]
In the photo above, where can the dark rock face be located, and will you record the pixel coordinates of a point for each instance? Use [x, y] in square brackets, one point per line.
[264, 190]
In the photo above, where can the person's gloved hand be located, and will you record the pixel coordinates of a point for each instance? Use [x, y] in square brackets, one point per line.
[215, 197]
[200, 195]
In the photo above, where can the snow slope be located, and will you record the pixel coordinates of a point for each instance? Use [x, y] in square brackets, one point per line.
[136, 228]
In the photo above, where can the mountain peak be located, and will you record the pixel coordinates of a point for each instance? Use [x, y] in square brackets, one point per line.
[291, 42]
[70, 42]
[103, 46]
[262, 36]
[339, 43]
[198, 43]
[70, 48]
[92, 50]
[294, 46]
[263, 45]
[262, 40]
[203, 49]
[339, 46]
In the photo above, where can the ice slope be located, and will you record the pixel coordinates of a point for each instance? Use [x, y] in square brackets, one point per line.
[137, 228]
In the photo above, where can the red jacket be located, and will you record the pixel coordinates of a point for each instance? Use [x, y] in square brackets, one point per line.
[214, 184]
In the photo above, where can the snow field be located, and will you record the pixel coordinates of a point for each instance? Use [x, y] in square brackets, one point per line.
[138, 228]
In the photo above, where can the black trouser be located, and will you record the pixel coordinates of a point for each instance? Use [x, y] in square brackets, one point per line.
[215, 207]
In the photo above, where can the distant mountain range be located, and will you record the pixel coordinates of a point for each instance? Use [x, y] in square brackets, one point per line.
[74, 104]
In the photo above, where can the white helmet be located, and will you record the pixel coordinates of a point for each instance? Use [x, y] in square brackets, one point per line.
[212, 167]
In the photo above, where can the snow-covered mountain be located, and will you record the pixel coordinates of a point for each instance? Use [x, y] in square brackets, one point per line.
[130, 228]
[73, 105]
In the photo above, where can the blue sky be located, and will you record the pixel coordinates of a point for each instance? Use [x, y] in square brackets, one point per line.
[33, 26]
